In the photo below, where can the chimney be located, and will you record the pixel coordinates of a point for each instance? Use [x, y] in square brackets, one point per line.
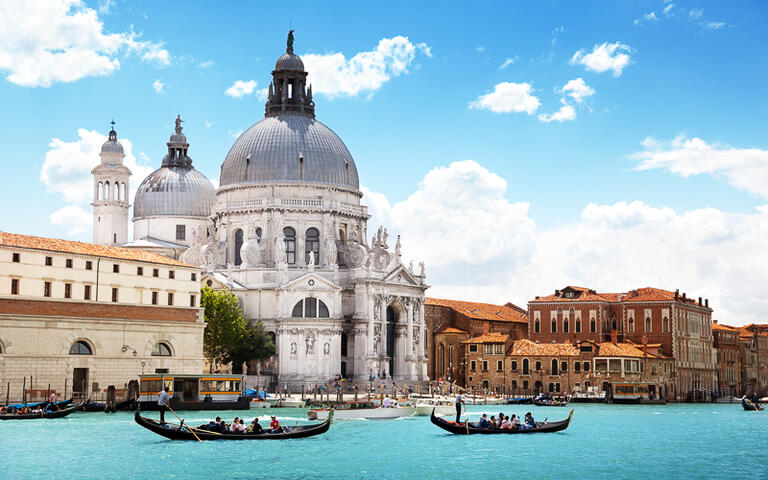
[486, 326]
[706, 302]
[557, 293]
[537, 297]
[700, 304]
[677, 294]
[683, 296]
[614, 336]
[714, 321]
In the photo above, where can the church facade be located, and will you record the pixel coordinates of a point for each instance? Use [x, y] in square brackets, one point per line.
[286, 231]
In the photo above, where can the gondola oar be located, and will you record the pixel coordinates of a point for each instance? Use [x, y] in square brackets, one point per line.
[182, 424]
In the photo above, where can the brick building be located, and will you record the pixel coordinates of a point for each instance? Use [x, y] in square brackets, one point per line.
[681, 326]
[754, 357]
[728, 350]
[451, 322]
[77, 315]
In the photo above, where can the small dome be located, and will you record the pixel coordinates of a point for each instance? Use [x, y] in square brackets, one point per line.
[289, 61]
[174, 191]
[178, 138]
[112, 145]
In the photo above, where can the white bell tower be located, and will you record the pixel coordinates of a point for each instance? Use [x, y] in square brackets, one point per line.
[110, 194]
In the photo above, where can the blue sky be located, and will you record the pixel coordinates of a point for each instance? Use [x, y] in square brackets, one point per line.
[691, 76]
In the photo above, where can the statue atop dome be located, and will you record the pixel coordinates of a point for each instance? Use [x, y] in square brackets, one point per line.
[289, 48]
[178, 123]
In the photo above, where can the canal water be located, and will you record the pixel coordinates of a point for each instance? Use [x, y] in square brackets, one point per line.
[604, 442]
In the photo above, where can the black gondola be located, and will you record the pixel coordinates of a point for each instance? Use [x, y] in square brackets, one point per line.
[750, 406]
[176, 432]
[471, 428]
[540, 402]
[45, 413]
[520, 401]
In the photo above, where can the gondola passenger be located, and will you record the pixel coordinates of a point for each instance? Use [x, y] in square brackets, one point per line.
[255, 427]
[274, 425]
[238, 426]
[483, 423]
[505, 424]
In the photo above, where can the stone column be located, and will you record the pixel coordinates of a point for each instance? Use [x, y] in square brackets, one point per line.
[370, 307]
[383, 352]
[409, 357]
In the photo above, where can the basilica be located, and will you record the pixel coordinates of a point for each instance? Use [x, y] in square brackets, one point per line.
[287, 233]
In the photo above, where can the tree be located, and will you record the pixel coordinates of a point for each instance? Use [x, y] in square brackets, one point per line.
[228, 335]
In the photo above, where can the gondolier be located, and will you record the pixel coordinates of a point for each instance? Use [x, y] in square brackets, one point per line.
[459, 401]
[162, 401]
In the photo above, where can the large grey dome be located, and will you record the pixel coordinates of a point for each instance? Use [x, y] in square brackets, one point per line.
[289, 61]
[181, 191]
[271, 151]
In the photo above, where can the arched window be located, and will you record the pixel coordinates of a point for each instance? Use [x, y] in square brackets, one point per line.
[258, 233]
[100, 191]
[592, 326]
[665, 324]
[272, 337]
[161, 350]
[526, 367]
[310, 308]
[613, 324]
[450, 355]
[290, 245]
[125, 191]
[312, 245]
[80, 348]
[2, 347]
[115, 191]
[441, 359]
[566, 324]
[343, 344]
[238, 245]
[647, 324]
[631, 324]
[107, 191]
[554, 366]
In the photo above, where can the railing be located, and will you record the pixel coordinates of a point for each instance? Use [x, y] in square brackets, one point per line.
[292, 202]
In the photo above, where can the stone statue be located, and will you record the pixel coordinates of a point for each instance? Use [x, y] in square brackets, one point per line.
[310, 344]
[421, 268]
[326, 349]
[178, 123]
[290, 41]
[311, 264]
[293, 348]
[410, 266]
[245, 368]
[398, 248]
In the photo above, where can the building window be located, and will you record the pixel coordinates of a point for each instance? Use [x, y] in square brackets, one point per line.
[514, 384]
[472, 366]
[576, 367]
[114, 294]
[192, 301]
[16, 257]
[525, 385]
[312, 245]
[665, 325]
[566, 326]
[87, 292]
[289, 234]
[170, 299]
[181, 232]
[48, 261]
[14, 286]
[310, 308]
[154, 298]
[115, 268]
[140, 271]
[578, 326]
[563, 366]
[155, 272]
[67, 290]
[631, 325]
[499, 365]
[538, 366]
[592, 326]
[238, 246]
[514, 365]
[485, 365]
[525, 366]
[47, 289]
[493, 349]
[161, 350]
[648, 324]
[80, 348]
[554, 366]
[194, 277]
[536, 326]
[473, 348]
[88, 265]
[68, 263]
[553, 328]
[171, 274]
[586, 366]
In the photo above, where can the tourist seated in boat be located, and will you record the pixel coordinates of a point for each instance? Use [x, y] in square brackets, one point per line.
[529, 422]
[505, 424]
[238, 426]
[274, 425]
[387, 402]
[514, 422]
[492, 423]
[483, 423]
[255, 427]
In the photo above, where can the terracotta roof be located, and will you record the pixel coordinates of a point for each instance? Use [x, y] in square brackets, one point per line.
[726, 328]
[451, 330]
[492, 337]
[645, 294]
[608, 349]
[482, 311]
[528, 348]
[582, 295]
[68, 246]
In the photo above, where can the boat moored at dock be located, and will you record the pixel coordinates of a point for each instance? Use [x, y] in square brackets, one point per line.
[194, 391]
[361, 410]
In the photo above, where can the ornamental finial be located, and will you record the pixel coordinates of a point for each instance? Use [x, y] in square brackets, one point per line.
[289, 48]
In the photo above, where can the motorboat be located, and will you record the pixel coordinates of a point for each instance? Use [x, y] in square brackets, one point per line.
[361, 410]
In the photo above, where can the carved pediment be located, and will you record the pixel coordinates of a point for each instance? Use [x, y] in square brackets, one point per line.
[310, 282]
[401, 276]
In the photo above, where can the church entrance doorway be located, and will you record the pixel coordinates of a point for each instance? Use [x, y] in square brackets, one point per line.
[391, 321]
[79, 382]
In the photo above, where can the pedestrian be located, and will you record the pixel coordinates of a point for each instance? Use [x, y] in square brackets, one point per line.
[162, 402]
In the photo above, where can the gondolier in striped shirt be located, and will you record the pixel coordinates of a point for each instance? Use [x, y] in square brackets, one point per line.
[162, 402]
[459, 401]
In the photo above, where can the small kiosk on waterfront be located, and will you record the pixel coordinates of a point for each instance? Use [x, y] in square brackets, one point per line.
[194, 391]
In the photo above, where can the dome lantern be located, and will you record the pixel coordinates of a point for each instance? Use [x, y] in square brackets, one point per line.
[288, 91]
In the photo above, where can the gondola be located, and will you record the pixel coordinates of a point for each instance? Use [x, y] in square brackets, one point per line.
[470, 428]
[540, 402]
[750, 406]
[46, 413]
[176, 432]
[520, 401]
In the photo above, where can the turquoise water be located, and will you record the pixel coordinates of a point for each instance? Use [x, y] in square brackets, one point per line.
[604, 441]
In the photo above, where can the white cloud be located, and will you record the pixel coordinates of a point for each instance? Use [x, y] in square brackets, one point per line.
[480, 246]
[159, 86]
[334, 75]
[556, 33]
[241, 88]
[262, 94]
[648, 17]
[577, 89]
[744, 168]
[236, 134]
[106, 6]
[565, 113]
[74, 218]
[66, 170]
[668, 9]
[696, 13]
[49, 41]
[608, 56]
[507, 62]
[206, 64]
[480, 49]
[508, 97]
[208, 124]
[713, 25]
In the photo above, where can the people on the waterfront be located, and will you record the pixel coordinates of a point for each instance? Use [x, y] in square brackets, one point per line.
[162, 402]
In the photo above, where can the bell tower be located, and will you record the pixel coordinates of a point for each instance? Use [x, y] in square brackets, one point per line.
[110, 194]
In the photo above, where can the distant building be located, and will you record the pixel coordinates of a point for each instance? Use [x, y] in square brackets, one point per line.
[681, 326]
[451, 322]
[754, 358]
[79, 316]
[728, 350]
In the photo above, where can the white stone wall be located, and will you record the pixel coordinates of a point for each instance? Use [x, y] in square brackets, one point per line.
[164, 228]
